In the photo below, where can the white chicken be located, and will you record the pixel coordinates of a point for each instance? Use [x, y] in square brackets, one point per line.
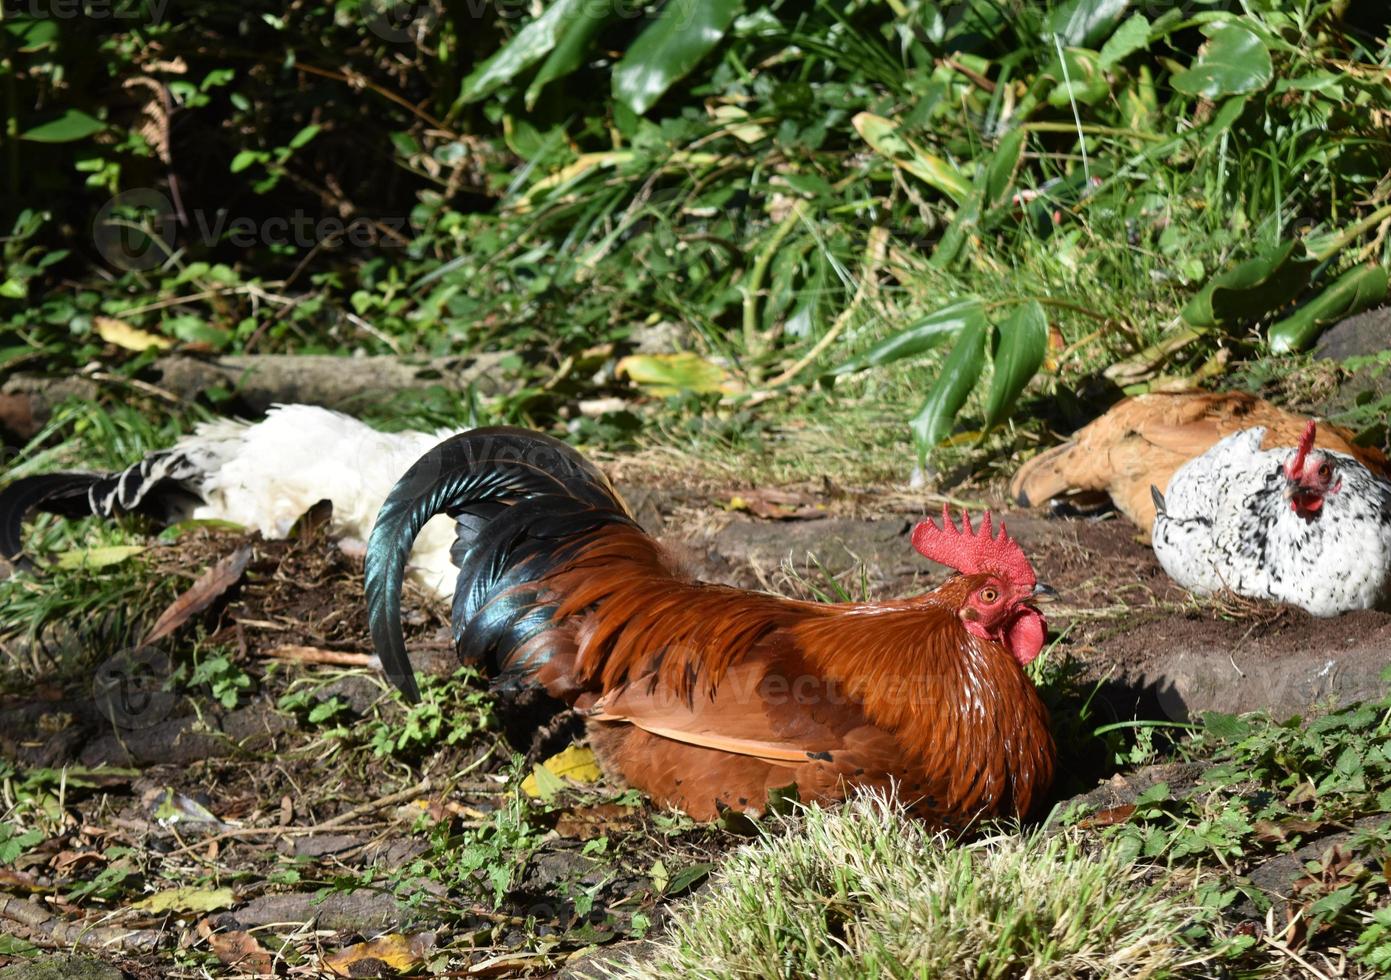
[1304, 526]
[262, 475]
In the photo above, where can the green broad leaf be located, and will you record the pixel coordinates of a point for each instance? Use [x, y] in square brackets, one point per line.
[1157, 793]
[1335, 903]
[934, 329]
[14, 289]
[1223, 119]
[187, 899]
[1023, 342]
[783, 800]
[1083, 81]
[1224, 726]
[304, 136]
[687, 878]
[14, 842]
[1083, 22]
[532, 43]
[192, 329]
[666, 51]
[1004, 164]
[33, 34]
[1234, 61]
[954, 238]
[98, 557]
[1252, 288]
[73, 124]
[244, 159]
[960, 372]
[882, 135]
[1352, 292]
[572, 46]
[1132, 36]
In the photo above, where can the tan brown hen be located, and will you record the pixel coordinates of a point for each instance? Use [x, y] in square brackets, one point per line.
[1143, 440]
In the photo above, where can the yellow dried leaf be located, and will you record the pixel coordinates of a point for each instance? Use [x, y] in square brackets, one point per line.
[883, 135]
[395, 951]
[574, 763]
[122, 334]
[186, 900]
[669, 374]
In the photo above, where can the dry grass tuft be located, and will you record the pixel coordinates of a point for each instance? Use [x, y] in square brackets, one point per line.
[865, 892]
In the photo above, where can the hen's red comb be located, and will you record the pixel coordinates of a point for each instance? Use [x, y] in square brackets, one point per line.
[1295, 467]
[971, 551]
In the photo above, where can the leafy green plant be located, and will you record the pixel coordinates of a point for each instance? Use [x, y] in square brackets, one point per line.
[484, 861]
[15, 841]
[450, 712]
[223, 678]
[1272, 787]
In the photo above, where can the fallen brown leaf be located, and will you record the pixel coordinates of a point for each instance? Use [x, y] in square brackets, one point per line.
[237, 949]
[201, 594]
[1108, 818]
[778, 505]
[1274, 832]
[65, 861]
[19, 881]
[589, 822]
[241, 951]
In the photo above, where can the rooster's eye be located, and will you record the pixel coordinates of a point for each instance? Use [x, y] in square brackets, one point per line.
[1325, 471]
[988, 595]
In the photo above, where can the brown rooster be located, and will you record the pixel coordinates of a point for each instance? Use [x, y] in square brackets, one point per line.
[706, 696]
[1141, 441]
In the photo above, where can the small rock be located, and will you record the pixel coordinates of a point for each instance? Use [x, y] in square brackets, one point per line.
[363, 911]
[318, 845]
[395, 852]
[661, 337]
[1360, 335]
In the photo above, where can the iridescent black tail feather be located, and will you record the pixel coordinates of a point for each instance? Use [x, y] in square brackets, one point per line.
[524, 503]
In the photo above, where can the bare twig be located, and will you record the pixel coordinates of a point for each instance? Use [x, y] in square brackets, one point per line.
[318, 655]
[404, 796]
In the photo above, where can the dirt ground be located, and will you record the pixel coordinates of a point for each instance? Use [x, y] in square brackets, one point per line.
[296, 840]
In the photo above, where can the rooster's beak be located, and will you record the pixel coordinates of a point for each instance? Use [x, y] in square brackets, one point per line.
[1044, 593]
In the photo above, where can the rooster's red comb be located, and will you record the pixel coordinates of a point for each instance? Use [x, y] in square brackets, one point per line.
[971, 551]
[1295, 467]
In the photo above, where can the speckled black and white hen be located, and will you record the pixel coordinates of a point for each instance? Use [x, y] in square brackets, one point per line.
[1308, 527]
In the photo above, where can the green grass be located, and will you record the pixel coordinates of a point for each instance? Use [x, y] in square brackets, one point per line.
[864, 892]
[1064, 154]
